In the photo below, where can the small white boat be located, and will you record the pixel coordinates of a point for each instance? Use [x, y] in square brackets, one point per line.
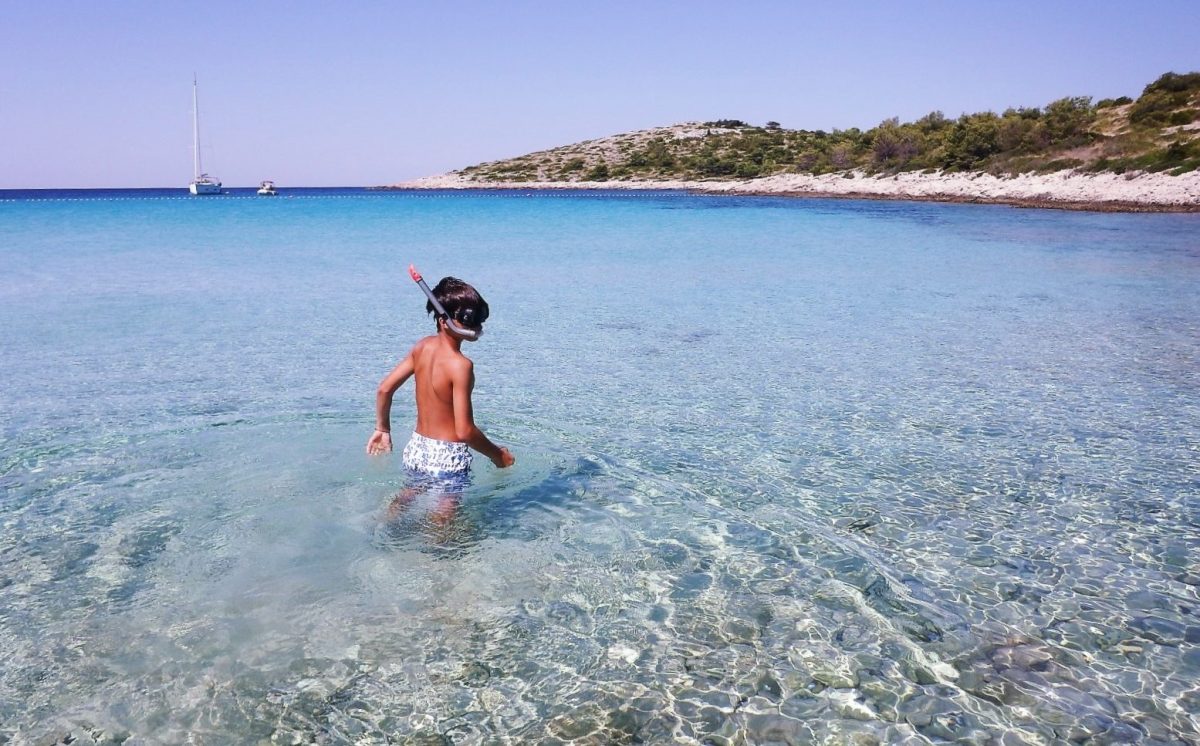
[267, 189]
[202, 183]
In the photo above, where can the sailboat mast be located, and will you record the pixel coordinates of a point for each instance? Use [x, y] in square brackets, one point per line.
[195, 128]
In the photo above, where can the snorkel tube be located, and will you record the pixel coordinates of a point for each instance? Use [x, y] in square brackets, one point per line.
[468, 334]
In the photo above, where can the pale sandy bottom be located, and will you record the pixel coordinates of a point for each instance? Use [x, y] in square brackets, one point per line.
[1062, 188]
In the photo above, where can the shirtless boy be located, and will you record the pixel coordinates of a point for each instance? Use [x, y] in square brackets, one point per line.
[445, 430]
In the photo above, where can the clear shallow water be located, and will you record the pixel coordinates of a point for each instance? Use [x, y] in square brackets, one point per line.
[788, 471]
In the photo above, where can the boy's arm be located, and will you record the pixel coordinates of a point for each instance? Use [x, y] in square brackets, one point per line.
[381, 440]
[462, 382]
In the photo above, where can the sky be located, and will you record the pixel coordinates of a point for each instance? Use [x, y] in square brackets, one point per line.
[99, 94]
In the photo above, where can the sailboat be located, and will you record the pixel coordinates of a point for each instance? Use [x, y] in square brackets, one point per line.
[202, 183]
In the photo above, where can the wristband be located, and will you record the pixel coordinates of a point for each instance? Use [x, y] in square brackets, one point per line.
[381, 430]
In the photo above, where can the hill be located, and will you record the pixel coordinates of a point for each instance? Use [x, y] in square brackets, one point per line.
[1157, 132]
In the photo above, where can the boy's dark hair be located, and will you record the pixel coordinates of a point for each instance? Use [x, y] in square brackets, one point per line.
[462, 302]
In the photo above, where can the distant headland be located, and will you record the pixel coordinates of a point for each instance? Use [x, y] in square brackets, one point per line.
[1115, 154]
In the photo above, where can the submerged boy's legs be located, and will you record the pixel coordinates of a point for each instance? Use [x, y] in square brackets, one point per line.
[447, 508]
[441, 493]
[438, 472]
[400, 503]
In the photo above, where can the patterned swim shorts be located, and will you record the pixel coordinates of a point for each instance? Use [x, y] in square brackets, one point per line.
[436, 458]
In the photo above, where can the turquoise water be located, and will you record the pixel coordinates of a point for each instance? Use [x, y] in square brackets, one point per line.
[787, 471]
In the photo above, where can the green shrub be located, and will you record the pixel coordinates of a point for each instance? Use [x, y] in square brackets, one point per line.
[1023, 112]
[1112, 165]
[656, 154]
[1177, 155]
[934, 121]
[713, 166]
[1106, 103]
[841, 156]
[1174, 83]
[1154, 111]
[808, 160]
[748, 170]
[894, 145]
[598, 172]
[971, 140]
[1018, 134]
[1179, 151]
[574, 164]
[1067, 120]
[1183, 117]
[1162, 97]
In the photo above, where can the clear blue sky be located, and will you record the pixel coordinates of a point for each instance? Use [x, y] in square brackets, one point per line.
[312, 93]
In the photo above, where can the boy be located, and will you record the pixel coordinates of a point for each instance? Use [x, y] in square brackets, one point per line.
[445, 430]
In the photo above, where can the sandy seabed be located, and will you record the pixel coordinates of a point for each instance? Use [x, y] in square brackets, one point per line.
[1131, 192]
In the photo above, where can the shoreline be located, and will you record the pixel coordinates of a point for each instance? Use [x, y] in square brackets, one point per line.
[1060, 190]
[1026, 203]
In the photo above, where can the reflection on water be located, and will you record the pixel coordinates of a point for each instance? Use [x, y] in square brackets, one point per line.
[942, 489]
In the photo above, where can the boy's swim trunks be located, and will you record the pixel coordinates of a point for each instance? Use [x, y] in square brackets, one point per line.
[436, 457]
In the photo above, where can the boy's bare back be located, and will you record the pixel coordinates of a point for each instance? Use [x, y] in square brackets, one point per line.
[444, 380]
[439, 370]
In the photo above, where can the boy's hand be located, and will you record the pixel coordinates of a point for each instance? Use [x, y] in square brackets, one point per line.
[505, 459]
[380, 442]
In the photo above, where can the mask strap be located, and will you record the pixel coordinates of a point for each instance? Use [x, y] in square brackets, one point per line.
[438, 308]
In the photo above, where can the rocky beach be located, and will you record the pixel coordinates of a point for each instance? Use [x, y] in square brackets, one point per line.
[1068, 189]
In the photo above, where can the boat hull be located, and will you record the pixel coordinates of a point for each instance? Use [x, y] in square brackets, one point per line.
[204, 187]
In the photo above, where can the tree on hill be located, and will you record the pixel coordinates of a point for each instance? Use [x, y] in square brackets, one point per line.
[893, 145]
[1165, 97]
[1068, 120]
[970, 140]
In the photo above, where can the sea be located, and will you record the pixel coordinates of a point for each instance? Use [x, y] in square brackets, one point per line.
[787, 471]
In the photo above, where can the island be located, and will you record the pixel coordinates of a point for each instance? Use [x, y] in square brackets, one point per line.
[1114, 154]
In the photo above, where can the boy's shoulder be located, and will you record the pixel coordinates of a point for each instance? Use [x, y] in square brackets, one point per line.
[432, 345]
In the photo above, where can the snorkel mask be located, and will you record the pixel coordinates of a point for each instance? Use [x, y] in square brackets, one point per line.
[468, 334]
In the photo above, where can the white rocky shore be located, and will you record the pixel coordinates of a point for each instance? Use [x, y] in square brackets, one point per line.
[1062, 189]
